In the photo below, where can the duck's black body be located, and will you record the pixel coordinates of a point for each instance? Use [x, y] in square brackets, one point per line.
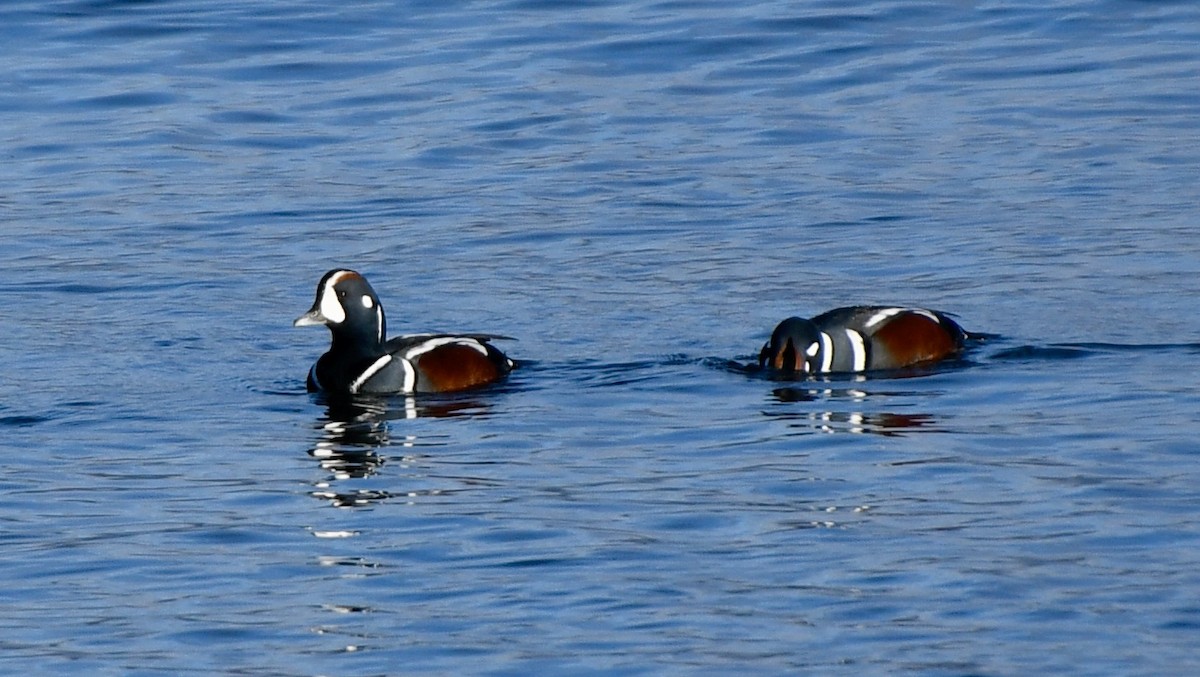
[862, 338]
[360, 361]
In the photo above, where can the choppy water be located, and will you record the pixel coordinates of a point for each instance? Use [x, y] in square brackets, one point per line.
[638, 192]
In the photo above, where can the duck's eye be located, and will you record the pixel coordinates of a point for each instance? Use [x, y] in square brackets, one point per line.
[341, 294]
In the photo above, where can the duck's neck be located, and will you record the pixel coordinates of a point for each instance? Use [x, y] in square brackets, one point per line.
[359, 344]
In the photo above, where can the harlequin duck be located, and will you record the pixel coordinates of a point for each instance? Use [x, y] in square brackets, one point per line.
[862, 338]
[360, 361]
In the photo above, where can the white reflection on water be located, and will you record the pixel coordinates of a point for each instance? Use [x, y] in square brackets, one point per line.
[855, 414]
[356, 439]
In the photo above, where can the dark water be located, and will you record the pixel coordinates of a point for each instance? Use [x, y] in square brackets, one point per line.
[638, 192]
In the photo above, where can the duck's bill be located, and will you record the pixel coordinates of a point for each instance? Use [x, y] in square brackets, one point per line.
[309, 319]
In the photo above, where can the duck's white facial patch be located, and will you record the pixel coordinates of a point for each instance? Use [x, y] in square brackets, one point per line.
[339, 276]
[331, 307]
[367, 302]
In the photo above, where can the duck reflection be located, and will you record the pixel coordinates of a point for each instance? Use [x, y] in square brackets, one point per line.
[352, 433]
[353, 436]
[851, 418]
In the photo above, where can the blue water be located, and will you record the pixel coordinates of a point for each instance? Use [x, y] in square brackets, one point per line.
[638, 192]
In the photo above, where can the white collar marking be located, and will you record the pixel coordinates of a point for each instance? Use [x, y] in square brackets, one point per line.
[858, 348]
[371, 371]
[827, 352]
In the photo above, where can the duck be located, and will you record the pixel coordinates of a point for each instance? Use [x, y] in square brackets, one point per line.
[361, 361]
[861, 339]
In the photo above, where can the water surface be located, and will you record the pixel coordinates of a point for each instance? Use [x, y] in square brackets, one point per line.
[638, 192]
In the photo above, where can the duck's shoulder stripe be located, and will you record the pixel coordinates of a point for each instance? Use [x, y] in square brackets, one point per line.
[434, 342]
[858, 350]
[826, 353]
[410, 376]
[881, 315]
[918, 336]
[445, 362]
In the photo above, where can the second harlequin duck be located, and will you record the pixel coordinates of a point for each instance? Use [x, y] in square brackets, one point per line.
[361, 361]
[862, 338]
